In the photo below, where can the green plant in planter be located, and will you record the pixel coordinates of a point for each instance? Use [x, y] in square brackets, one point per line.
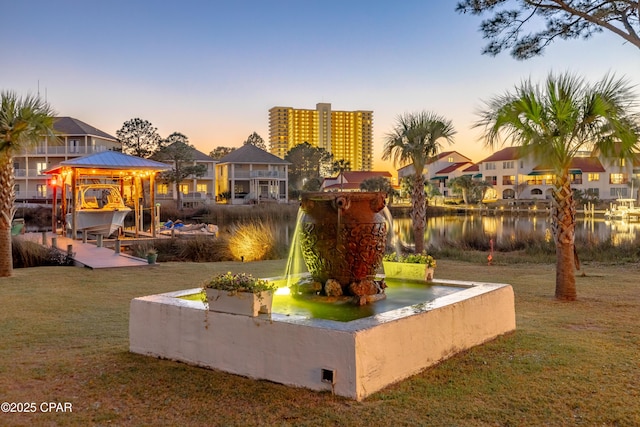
[241, 282]
[226, 292]
[422, 258]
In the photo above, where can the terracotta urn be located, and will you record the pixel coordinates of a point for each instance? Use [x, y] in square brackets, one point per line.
[343, 235]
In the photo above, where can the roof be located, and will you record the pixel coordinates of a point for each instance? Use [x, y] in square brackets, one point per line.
[74, 127]
[452, 167]
[584, 164]
[111, 160]
[249, 153]
[473, 168]
[509, 153]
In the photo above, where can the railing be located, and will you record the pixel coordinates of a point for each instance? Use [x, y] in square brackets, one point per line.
[259, 174]
[62, 150]
[267, 174]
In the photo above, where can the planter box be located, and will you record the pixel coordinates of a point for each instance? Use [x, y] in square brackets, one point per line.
[410, 271]
[244, 303]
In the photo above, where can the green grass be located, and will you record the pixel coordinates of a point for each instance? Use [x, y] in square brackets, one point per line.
[65, 339]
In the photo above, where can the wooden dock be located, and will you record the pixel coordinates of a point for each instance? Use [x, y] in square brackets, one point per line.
[87, 254]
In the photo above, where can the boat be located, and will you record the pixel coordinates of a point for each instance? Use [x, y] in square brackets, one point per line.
[100, 209]
[623, 209]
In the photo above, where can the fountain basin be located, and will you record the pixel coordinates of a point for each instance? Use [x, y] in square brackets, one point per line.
[352, 359]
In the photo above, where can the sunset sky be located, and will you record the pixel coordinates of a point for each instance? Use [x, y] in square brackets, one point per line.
[211, 69]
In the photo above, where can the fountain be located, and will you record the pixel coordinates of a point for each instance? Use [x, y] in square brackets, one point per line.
[341, 237]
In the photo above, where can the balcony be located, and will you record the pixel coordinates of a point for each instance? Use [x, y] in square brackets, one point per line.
[62, 151]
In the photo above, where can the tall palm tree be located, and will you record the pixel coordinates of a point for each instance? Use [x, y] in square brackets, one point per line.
[340, 166]
[23, 122]
[551, 123]
[416, 139]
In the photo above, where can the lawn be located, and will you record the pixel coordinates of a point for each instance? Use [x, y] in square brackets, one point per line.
[65, 339]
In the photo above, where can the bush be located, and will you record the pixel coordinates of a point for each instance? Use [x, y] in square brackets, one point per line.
[31, 254]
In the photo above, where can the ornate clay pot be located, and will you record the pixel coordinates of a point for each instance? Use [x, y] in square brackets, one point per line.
[343, 235]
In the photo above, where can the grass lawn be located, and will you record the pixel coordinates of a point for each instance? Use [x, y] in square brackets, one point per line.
[65, 339]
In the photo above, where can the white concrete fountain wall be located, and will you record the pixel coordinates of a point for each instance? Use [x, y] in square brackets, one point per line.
[352, 359]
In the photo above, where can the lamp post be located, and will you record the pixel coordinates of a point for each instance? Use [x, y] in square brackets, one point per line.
[54, 184]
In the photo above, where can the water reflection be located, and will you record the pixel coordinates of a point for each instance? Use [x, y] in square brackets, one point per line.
[502, 228]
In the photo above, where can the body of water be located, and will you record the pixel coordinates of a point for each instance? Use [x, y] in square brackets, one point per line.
[453, 227]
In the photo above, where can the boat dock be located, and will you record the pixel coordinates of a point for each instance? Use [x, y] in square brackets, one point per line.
[87, 255]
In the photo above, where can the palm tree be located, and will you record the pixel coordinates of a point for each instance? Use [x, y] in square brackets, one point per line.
[472, 191]
[23, 122]
[416, 139]
[551, 123]
[340, 166]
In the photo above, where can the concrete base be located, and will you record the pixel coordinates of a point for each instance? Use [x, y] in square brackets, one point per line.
[352, 359]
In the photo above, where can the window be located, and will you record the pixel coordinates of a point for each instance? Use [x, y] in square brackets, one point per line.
[16, 188]
[40, 166]
[489, 166]
[508, 179]
[184, 188]
[617, 178]
[491, 179]
[507, 165]
[593, 192]
[622, 162]
[593, 177]
[41, 190]
[74, 146]
[618, 192]
[163, 189]
[450, 159]
[201, 188]
[536, 192]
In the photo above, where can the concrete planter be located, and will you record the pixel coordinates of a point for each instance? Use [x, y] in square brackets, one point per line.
[243, 303]
[404, 270]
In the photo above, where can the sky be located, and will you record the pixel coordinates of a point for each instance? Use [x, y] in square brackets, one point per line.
[212, 69]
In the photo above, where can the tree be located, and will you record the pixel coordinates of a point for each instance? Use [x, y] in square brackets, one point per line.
[306, 163]
[569, 19]
[138, 138]
[177, 151]
[23, 123]
[416, 139]
[340, 166]
[255, 139]
[379, 183]
[220, 152]
[472, 190]
[551, 123]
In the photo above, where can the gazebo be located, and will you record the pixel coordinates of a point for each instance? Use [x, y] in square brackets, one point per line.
[113, 167]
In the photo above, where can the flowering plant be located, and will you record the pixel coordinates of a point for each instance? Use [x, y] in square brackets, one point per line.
[422, 258]
[241, 282]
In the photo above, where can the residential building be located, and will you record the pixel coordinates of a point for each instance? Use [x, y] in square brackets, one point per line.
[513, 176]
[251, 175]
[74, 138]
[347, 135]
[516, 177]
[445, 166]
[195, 190]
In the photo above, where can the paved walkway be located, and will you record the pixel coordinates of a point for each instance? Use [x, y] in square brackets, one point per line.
[88, 254]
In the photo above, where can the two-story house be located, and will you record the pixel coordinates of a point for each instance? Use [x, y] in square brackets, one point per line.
[74, 138]
[251, 175]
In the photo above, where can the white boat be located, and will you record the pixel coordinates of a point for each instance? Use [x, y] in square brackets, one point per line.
[100, 209]
[623, 209]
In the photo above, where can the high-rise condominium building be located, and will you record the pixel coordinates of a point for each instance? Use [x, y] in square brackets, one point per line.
[348, 135]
